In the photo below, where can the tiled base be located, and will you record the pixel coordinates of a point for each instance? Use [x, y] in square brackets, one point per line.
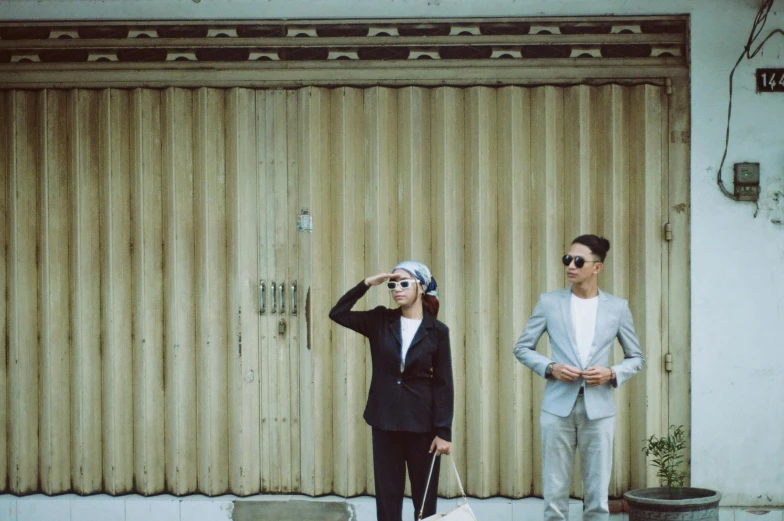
[71, 507]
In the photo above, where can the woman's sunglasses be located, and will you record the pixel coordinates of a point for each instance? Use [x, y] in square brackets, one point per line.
[405, 284]
[579, 262]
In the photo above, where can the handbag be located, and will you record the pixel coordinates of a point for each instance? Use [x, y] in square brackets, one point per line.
[462, 512]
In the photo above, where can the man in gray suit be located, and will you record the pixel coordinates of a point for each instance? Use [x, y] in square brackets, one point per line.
[578, 408]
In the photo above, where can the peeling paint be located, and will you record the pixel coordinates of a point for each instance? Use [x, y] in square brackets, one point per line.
[771, 203]
[228, 508]
[250, 377]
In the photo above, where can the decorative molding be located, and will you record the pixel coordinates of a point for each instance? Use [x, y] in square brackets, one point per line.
[31, 52]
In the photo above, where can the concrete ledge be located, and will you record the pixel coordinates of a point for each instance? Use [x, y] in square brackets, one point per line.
[292, 510]
[71, 507]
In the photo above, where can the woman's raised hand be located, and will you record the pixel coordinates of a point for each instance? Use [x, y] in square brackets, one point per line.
[375, 280]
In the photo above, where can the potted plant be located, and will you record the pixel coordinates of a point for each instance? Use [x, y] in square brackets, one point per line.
[672, 501]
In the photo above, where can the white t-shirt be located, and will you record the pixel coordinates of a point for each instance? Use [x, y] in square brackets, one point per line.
[584, 320]
[408, 328]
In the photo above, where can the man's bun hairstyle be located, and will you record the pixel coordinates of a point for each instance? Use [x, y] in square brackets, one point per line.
[599, 246]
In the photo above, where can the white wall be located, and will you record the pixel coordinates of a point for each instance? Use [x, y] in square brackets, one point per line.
[737, 286]
[737, 259]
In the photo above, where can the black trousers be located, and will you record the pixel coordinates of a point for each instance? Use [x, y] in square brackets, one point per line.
[392, 452]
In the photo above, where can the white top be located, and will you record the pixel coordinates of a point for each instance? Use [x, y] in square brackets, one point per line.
[408, 328]
[584, 320]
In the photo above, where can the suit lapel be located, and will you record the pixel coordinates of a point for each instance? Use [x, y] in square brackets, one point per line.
[566, 311]
[424, 328]
[394, 328]
[602, 317]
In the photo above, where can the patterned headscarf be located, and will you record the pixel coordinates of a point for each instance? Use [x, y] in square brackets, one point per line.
[422, 274]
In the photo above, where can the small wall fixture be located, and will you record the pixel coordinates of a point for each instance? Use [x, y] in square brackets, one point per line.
[747, 181]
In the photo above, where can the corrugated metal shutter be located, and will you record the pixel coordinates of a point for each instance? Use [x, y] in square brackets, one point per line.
[140, 227]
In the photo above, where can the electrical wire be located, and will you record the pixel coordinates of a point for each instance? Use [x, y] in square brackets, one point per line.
[756, 30]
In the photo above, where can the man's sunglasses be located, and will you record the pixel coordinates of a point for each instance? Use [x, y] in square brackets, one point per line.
[579, 262]
[405, 284]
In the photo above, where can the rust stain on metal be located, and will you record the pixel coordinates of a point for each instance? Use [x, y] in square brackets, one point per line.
[239, 331]
[307, 316]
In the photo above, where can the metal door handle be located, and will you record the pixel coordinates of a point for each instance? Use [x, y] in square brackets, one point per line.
[294, 297]
[262, 297]
[274, 305]
[282, 298]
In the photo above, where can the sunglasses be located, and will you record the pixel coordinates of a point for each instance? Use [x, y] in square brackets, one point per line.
[579, 262]
[404, 284]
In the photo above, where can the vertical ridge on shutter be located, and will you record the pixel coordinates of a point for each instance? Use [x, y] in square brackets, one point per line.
[6, 100]
[482, 354]
[85, 296]
[266, 128]
[178, 280]
[348, 212]
[55, 378]
[413, 191]
[514, 296]
[210, 214]
[316, 253]
[614, 223]
[289, 391]
[147, 237]
[676, 272]
[579, 200]
[448, 217]
[23, 273]
[116, 291]
[241, 208]
[379, 230]
[547, 234]
[646, 279]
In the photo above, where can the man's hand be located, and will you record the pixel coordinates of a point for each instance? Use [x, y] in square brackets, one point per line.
[440, 446]
[375, 280]
[597, 375]
[565, 373]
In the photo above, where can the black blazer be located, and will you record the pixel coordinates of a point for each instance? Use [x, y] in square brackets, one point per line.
[420, 398]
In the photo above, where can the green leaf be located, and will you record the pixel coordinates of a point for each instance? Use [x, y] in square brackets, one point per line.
[667, 453]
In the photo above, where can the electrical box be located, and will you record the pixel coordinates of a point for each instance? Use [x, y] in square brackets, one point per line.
[747, 181]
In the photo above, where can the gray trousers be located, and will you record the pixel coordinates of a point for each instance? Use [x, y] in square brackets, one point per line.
[560, 437]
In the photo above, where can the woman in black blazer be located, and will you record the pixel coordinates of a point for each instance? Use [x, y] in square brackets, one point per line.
[411, 396]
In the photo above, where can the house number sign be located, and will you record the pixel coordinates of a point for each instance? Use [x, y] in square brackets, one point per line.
[770, 80]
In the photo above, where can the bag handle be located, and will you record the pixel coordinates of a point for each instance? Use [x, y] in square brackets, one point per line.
[427, 486]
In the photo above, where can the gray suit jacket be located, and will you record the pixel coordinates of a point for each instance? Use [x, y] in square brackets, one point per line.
[553, 314]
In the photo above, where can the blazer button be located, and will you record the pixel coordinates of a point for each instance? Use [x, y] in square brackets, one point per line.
[399, 380]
